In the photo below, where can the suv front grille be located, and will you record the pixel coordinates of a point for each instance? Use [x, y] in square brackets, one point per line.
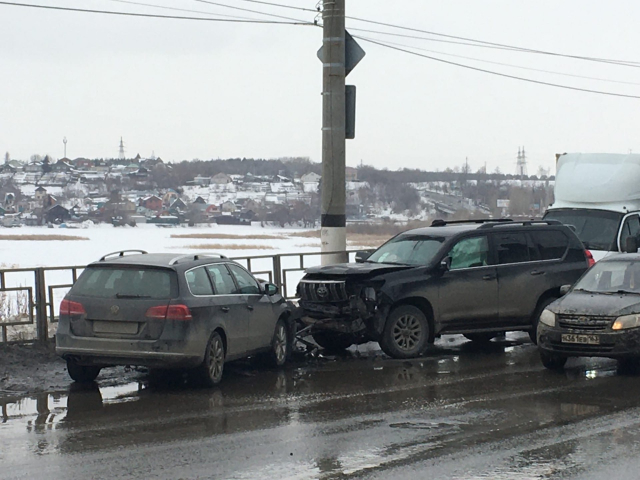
[323, 291]
[584, 322]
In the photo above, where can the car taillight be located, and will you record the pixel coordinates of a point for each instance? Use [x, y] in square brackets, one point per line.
[67, 307]
[590, 260]
[170, 312]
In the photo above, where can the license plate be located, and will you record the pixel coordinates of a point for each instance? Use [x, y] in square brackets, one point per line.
[124, 328]
[584, 339]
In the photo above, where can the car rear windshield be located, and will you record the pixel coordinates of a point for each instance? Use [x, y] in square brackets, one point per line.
[137, 282]
[408, 250]
[611, 277]
[597, 229]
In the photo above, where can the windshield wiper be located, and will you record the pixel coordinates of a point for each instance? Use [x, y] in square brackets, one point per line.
[626, 291]
[126, 295]
[585, 290]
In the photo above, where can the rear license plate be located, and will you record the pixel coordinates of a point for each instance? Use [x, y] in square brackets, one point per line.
[124, 328]
[584, 339]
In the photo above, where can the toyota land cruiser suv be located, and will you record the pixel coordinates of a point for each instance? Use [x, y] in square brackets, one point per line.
[477, 278]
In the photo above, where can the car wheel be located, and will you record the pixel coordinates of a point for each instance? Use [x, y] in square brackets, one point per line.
[332, 341]
[210, 371]
[280, 344]
[82, 373]
[481, 337]
[552, 361]
[406, 332]
[535, 319]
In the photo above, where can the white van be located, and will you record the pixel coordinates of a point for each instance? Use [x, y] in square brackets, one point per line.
[599, 195]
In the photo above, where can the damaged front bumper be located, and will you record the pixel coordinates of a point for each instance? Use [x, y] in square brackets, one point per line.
[620, 344]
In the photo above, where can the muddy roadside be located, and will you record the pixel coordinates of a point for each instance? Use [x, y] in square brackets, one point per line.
[29, 369]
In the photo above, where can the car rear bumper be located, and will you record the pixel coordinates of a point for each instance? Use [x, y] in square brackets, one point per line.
[106, 352]
[623, 344]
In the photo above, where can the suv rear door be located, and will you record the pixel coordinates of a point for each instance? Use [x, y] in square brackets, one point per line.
[468, 291]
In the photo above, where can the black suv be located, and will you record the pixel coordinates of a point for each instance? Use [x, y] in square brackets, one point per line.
[477, 278]
[168, 311]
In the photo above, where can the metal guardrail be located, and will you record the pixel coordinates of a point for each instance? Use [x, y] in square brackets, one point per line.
[28, 311]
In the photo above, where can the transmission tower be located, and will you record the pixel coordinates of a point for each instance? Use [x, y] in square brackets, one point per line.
[121, 151]
[521, 164]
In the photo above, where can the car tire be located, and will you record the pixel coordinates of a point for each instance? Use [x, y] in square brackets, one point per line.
[209, 373]
[535, 319]
[406, 332]
[484, 337]
[552, 361]
[333, 341]
[280, 345]
[82, 373]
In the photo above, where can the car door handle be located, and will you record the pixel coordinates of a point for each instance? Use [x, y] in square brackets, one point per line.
[224, 309]
[488, 277]
[250, 307]
[537, 272]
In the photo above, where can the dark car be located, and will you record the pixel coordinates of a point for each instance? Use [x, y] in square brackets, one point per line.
[167, 311]
[478, 278]
[599, 317]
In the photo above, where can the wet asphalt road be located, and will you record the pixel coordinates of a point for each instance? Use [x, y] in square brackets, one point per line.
[461, 412]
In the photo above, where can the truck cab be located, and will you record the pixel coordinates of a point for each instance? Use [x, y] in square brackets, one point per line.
[598, 195]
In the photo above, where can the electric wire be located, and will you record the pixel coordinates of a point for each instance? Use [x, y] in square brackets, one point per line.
[553, 72]
[495, 44]
[273, 15]
[491, 72]
[130, 2]
[150, 15]
[281, 5]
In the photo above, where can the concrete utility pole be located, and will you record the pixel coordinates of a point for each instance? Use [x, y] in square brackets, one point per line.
[333, 232]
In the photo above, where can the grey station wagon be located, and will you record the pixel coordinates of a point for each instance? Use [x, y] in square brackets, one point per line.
[170, 312]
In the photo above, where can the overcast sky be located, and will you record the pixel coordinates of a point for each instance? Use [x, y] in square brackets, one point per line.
[189, 89]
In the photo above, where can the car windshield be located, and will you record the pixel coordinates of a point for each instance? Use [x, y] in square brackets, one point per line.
[108, 282]
[408, 250]
[597, 229]
[611, 277]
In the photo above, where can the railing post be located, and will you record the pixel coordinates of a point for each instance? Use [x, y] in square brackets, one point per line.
[42, 327]
[277, 271]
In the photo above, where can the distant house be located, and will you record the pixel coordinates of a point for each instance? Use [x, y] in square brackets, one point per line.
[228, 206]
[221, 179]
[83, 163]
[152, 202]
[177, 206]
[201, 180]
[40, 193]
[310, 177]
[62, 165]
[56, 214]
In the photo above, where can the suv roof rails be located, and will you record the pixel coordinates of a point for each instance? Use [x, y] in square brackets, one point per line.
[526, 223]
[441, 223]
[121, 254]
[196, 256]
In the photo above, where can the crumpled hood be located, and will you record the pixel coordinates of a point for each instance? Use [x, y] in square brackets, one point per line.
[356, 269]
[606, 305]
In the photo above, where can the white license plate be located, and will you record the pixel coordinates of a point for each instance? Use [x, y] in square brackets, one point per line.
[584, 339]
[125, 328]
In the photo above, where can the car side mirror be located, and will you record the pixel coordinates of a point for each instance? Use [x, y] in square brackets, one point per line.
[362, 256]
[631, 245]
[564, 289]
[445, 264]
[270, 289]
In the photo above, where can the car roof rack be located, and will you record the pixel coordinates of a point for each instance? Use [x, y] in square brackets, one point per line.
[527, 223]
[441, 223]
[196, 256]
[121, 254]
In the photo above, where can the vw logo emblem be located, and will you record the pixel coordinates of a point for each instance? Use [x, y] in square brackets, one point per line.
[115, 309]
[322, 291]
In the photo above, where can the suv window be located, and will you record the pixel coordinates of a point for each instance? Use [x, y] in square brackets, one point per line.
[246, 283]
[512, 248]
[199, 282]
[222, 279]
[551, 244]
[630, 228]
[470, 252]
[105, 282]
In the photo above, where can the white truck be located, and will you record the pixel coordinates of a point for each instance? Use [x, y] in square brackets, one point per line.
[599, 195]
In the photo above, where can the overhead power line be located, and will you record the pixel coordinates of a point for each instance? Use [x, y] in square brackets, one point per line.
[281, 5]
[491, 72]
[553, 72]
[628, 63]
[273, 15]
[176, 9]
[149, 15]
